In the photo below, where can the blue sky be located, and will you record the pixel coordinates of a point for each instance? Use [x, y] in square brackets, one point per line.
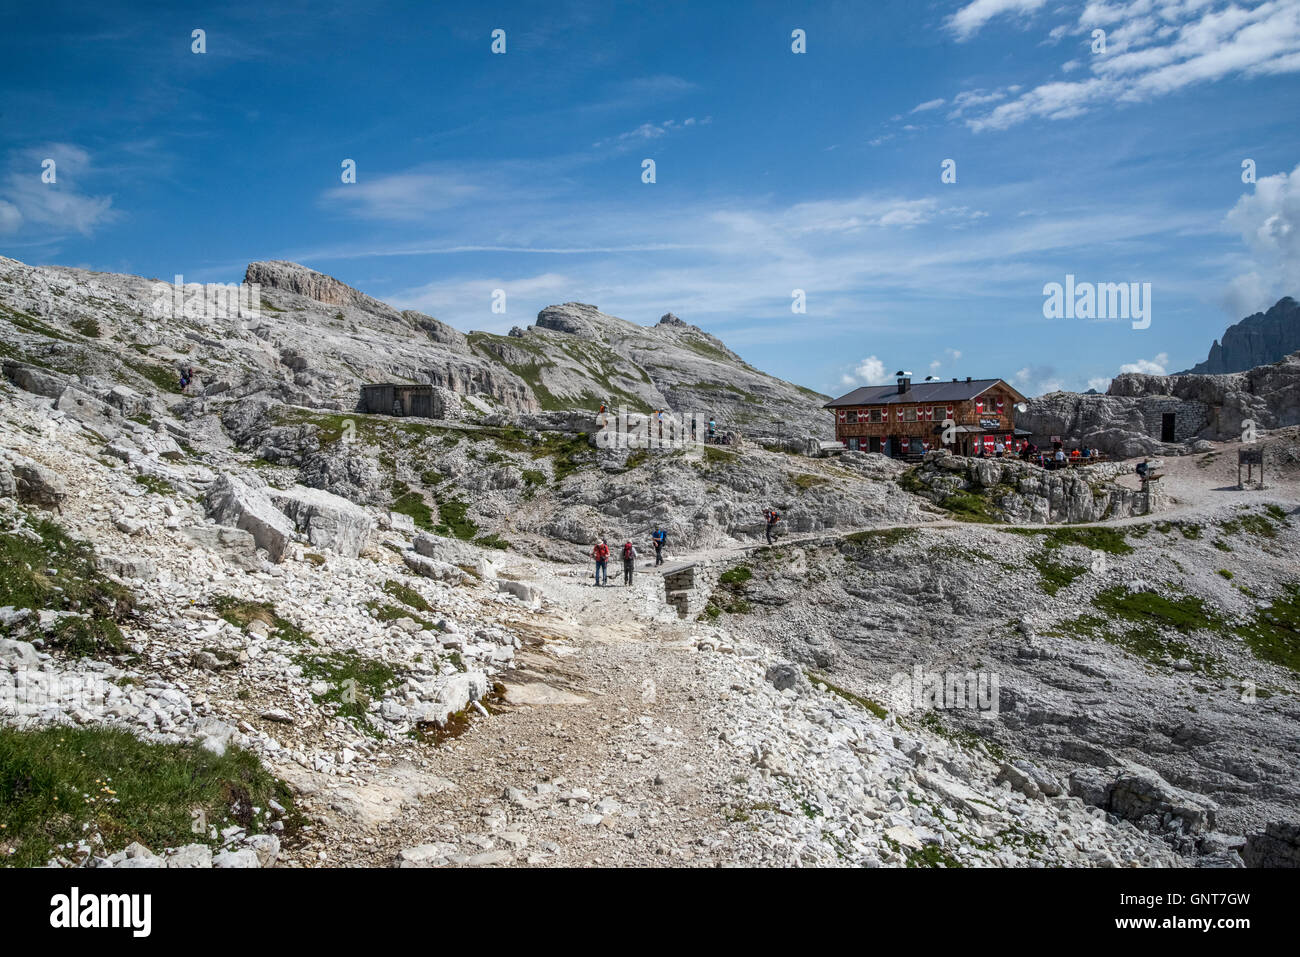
[775, 170]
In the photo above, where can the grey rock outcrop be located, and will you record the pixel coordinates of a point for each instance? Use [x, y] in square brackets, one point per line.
[231, 501]
[35, 484]
[329, 521]
[1024, 493]
[1130, 419]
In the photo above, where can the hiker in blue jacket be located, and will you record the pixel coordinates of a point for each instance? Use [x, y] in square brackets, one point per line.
[660, 537]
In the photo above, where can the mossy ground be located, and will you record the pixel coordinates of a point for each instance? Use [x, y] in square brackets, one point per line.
[354, 682]
[46, 569]
[241, 614]
[1273, 633]
[60, 784]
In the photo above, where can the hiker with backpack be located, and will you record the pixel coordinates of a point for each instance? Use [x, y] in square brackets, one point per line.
[660, 537]
[629, 556]
[772, 518]
[601, 554]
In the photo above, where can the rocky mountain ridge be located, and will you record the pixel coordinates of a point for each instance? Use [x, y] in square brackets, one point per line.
[1257, 340]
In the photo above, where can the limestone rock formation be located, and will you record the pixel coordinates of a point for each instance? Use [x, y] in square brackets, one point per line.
[1257, 340]
[1130, 419]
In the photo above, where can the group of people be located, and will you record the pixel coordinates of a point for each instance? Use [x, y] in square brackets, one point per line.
[1057, 458]
[658, 538]
[187, 376]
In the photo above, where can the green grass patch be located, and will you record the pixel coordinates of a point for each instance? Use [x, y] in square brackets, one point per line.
[48, 569]
[385, 612]
[411, 503]
[354, 682]
[1095, 539]
[406, 595]
[163, 378]
[882, 537]
[1264, 525]
[453, 519]
[492, 541]
[805, 481]
[59, 785]
[1053, 577]
[159, 486]
[716, 456]
[87, 327]
[736, 576]
[1273, 633]
[878, 710]
[241, 614]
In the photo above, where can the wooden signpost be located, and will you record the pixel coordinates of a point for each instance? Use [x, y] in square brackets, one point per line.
[1250, 458]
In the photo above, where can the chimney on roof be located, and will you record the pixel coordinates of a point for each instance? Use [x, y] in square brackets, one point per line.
[968, 378]
[904, 383]
[954, 378]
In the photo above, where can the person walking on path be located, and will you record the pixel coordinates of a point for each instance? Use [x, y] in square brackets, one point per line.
[601, 554]
[772, 518]
[629, 556]
[660, 538]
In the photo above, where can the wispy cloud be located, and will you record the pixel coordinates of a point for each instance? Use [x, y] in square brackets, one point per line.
[970, 19]
[61, 207]
[1154, 48]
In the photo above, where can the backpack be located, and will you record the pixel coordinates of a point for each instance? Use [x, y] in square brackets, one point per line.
[627, 551]
[602, 552]
[773, 518]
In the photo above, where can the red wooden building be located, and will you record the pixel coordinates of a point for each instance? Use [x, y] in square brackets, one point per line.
[906, 419]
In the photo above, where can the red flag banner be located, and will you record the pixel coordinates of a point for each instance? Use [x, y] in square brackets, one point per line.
[950, 412]
[979, 406]
[999, 406]
[844, 415]
[905, 444]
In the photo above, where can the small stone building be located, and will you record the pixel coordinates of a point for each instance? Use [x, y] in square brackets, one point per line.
[387, 398]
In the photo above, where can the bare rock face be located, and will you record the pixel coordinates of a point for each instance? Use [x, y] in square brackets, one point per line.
[1278, 845]
[1257, 340]
[34, 484]
[1128, 420]
[231, 501]
[291, 277]
[329, 521]
[1024, 493]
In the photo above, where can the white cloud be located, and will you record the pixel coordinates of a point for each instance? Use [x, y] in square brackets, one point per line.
[1101, 384]
[26, 199]
[870, 371]
[1269, 223]
[968, 21]
[1156, 366]
[650, 131]
[411, 195]
[929, 105]
[1154, 48]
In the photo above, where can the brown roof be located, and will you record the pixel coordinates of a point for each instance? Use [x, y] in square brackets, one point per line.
[920, 392]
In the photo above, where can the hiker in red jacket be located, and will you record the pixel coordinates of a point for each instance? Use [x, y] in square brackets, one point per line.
[772, 518]
[629, 556]
[601, 554]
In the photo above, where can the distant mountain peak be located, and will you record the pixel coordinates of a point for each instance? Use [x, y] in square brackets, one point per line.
[1257, 340]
